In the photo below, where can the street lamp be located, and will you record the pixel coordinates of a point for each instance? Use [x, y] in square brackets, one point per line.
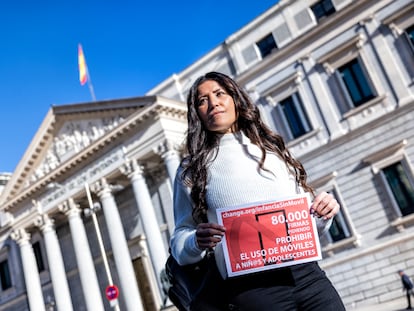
[93, 208]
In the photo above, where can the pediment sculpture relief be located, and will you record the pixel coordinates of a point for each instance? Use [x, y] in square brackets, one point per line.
[72, 138]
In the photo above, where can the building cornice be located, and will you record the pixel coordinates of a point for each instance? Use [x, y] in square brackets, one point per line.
[354, 12]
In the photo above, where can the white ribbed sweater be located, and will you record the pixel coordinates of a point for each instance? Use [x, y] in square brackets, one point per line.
[234, 179]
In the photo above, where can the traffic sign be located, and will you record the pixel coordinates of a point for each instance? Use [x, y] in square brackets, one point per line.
[111, 292]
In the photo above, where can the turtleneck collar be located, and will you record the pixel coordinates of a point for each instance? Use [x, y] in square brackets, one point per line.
[236, 137]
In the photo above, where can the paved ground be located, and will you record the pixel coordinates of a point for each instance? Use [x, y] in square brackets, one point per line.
[396, 305]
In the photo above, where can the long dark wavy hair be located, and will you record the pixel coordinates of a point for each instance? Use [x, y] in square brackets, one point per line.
[200, 142]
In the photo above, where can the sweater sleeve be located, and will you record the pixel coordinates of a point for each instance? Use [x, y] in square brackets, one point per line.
[183, 241]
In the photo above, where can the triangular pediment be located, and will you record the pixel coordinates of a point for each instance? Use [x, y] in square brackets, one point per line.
[72, 136]
[65, 132]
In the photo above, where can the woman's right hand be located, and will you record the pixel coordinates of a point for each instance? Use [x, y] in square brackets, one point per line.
[209, 234]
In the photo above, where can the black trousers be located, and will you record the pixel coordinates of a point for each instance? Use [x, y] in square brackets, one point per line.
[303, 287]
[409, 292]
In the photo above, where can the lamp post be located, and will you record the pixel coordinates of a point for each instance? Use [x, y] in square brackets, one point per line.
[92, 210]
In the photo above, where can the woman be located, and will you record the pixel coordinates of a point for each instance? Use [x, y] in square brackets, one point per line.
[234, 159]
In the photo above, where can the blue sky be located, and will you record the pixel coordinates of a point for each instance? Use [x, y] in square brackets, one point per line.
[130, 47]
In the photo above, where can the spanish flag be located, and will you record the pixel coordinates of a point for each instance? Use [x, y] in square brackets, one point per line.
[83, 70]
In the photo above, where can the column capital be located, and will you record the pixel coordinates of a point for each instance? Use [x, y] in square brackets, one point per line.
[44, 222]
[21, 236]
[131, 168]
[101, 187]
[69, 207]
[166, 149]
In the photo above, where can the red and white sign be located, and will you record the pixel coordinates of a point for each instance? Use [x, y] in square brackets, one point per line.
[269, 235]
[111, 292]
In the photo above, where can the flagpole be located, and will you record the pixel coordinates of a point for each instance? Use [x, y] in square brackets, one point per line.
[91, 87]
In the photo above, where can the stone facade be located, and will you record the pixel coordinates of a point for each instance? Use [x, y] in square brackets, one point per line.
[348, 142]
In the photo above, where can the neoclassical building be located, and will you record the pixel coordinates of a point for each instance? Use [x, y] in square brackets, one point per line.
[89, 205]
[90, 202]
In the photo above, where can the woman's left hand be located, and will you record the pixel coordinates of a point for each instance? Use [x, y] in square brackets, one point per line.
[325, 205]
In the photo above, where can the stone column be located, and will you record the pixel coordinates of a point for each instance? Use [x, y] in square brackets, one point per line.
[151, 227]
[56, 265]
[31, 274]
[129, 287]
[87, 272]
[169, 154]
[171, 158]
